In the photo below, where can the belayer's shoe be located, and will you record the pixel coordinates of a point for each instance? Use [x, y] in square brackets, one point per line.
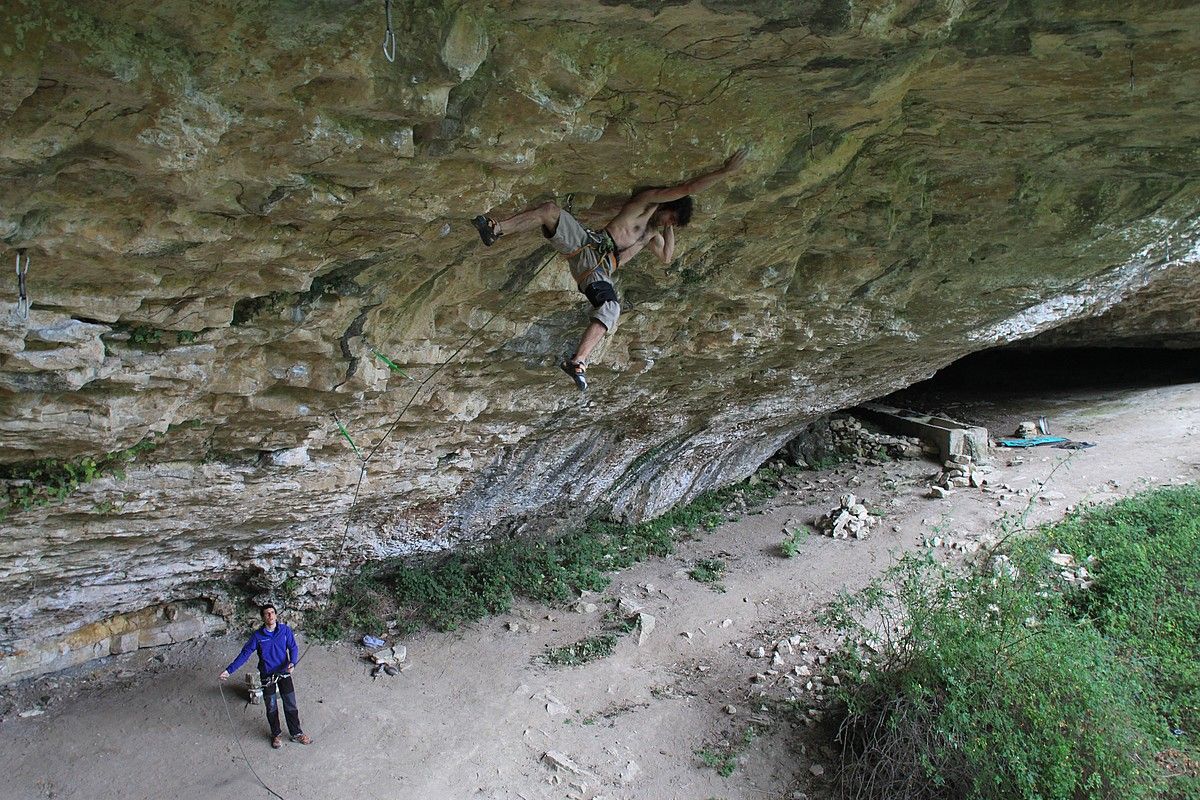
[578, 372]
[489, 231]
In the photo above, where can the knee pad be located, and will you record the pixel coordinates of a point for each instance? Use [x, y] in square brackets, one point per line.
[600, 292]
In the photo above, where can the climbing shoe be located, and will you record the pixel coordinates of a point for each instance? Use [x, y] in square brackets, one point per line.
[489, 231]
[578, 372]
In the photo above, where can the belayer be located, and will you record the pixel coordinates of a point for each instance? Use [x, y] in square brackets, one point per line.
[277, 655]
[648, 219]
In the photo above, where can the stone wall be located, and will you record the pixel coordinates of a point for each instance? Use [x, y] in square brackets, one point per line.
[122, 633]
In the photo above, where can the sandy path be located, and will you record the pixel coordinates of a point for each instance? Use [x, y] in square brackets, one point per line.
[477, 709]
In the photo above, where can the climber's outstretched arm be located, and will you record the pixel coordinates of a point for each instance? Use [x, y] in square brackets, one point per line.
[692, 186]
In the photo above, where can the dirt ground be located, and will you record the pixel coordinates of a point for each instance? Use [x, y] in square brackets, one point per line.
[476, 711]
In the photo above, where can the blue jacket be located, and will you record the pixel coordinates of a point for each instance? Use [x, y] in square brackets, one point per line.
[275, 650]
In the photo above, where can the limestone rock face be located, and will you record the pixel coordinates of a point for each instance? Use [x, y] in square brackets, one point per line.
[238, 213]
[1165, 313]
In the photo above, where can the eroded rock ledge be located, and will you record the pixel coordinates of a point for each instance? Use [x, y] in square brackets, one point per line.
[225, 211]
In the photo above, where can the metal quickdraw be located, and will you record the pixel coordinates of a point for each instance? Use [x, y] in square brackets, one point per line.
[22, 292]
[346, 435]
[392, 365]
[389, 38]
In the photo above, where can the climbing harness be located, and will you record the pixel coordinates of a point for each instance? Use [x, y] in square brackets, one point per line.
[389, 38]
[22, 292]
[605, 246]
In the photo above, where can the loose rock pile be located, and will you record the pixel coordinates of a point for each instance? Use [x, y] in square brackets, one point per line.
[1027, 430]
[799, 666]
[959, 471]
[961, 545]
[1073, 574]
[849, 520]
[389, 660]
[842, 438]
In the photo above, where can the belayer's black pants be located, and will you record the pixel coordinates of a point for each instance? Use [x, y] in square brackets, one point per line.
[290, 711]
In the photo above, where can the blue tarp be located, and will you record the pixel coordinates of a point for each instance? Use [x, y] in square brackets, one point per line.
[1034, 442]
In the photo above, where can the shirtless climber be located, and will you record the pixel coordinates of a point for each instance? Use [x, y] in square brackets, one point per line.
[648, 219]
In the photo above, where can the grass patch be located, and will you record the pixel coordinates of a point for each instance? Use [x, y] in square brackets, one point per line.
[723, 756]
[710, 571]
[467, 586]
[1007, 681]
[583, 651]
[827, 460]
[1146, 592]
[595, 647]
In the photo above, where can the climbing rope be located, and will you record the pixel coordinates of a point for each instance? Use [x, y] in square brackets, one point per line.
[411, 399]
[362, 471]
[242, 748]
[22, 290]
[389, 38]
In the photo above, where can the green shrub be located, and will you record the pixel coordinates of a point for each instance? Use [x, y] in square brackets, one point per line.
[792, 541]
[723, 756]
[976, 687]
[1146, 594]
[1010, 682]
[47, 480]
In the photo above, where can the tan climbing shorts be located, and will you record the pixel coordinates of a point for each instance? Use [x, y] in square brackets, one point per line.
[572, 239]
[607, 314]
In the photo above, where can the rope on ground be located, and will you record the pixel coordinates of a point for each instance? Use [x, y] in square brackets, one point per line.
[242, 748]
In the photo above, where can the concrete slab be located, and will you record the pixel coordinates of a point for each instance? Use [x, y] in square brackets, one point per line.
[952, 438]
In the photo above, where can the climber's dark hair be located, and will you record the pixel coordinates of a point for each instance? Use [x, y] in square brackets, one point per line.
[682, 207]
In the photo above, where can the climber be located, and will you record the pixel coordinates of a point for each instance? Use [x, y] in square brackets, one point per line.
[648, 219]
[277, 655]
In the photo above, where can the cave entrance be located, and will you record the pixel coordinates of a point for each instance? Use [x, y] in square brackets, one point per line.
[1011, 392]
[1001, 387]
